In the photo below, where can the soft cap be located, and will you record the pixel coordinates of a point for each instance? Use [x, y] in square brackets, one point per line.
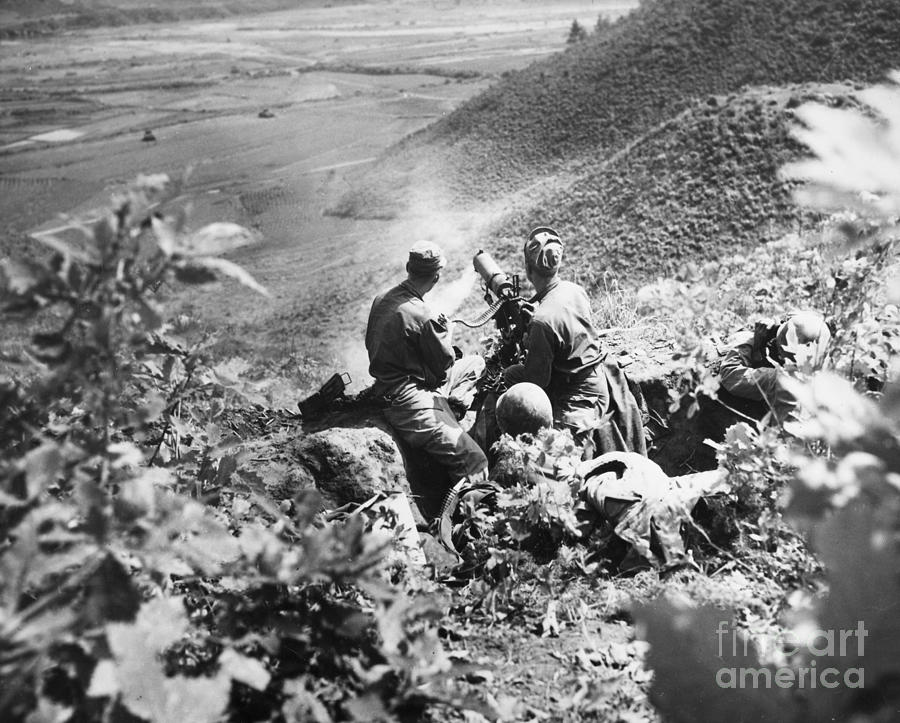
[543, 250]
[425, 258]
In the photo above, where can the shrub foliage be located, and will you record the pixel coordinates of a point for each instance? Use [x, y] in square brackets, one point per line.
[142, 574]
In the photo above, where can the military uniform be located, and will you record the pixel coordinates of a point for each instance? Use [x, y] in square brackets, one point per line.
[749, 374]
[590, 397]
[412, 361]
[563, 357]
[747, 368]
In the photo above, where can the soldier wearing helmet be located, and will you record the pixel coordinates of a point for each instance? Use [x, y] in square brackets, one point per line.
[750, 369]
[416, 371]
[563, 352]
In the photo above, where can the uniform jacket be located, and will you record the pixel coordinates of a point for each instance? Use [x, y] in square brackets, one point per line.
[409, 350]
[746, 370]
[562, 345]
[592, 398]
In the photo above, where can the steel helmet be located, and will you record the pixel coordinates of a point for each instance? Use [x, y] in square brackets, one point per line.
[524, 408]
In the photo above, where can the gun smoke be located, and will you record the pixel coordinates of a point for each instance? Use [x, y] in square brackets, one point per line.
[459, 234]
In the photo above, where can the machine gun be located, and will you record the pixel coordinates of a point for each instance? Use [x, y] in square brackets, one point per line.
[510, 313]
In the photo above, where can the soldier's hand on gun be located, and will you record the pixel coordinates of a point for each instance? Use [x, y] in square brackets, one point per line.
[527, 311]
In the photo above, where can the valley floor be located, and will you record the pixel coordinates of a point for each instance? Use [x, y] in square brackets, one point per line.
[340, 85]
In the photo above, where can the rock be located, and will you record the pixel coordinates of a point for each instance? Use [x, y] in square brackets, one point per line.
[419, 476]
[480, 677]
[267, 459]
[348, 455]
[283, 481]
[352, 464]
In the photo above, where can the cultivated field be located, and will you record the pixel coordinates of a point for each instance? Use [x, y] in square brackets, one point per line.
[342, 83]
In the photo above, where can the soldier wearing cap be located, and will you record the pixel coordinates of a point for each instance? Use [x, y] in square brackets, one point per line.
[416, 370]
[564, 357]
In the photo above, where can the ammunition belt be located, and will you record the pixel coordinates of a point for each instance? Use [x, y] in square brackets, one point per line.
[484, 317]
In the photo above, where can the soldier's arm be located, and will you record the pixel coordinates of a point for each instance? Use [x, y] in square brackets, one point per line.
[738, 377]
[436, 349]
[371, 326]
[540, 349]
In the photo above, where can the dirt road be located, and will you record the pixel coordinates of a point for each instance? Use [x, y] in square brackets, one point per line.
[381, 72]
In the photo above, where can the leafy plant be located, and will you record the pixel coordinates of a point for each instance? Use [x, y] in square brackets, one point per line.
[542, 498]
[123, 594]
[759, 468]
[847, 501]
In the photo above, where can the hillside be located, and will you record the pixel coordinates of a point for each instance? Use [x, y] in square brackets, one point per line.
[697, 186]
[603, 92]
[661, 131]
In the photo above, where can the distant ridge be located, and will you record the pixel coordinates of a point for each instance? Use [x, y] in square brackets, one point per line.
[29, 18]
[592, 99]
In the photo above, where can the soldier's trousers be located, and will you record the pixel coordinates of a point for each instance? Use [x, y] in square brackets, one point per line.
[427, 422]
[602, 413]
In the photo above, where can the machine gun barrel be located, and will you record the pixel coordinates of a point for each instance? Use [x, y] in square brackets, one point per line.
[510, 312]
[494, 277]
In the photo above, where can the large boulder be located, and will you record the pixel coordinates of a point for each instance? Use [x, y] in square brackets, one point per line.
[352, 454]
[352, 464]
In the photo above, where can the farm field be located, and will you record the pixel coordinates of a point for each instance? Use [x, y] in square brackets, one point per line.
[341, 84]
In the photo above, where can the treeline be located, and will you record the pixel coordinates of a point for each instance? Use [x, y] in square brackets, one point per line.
[111, 17]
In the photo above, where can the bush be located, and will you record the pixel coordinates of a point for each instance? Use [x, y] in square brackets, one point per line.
[846, 501]
[125, 593]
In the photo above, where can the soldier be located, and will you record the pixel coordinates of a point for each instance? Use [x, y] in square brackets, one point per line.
[563, 357]
[749, 369]
[418, 371]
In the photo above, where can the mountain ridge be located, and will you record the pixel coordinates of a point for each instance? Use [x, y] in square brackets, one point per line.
[602, 92]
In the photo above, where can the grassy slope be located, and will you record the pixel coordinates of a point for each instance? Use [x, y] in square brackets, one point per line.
[700, 185]
[600, 94]
[656, 141]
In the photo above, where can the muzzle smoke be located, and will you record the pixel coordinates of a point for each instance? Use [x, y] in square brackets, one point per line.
[448, 296]
[457, 233]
